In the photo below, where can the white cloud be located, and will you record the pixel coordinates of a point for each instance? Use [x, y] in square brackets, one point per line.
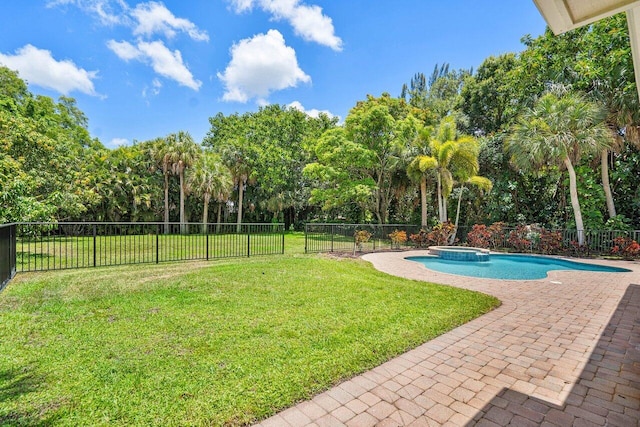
[242, 5]
[155, 18]
[156, 85]
[38, 67]
[124, 50]
[311, 113]
[259, 66]
[117, 142]
[307, 21]
[163, 61]
[110, 12]
[146, 19]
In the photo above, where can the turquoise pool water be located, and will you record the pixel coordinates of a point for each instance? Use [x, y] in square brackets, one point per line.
[502, 266]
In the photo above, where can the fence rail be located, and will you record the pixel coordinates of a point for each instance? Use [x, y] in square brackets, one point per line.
[55, 246]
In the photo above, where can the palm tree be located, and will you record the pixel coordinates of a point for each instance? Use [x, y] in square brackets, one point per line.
[182, 153]
[235, 157]
[420, 167]
[451, 152]
[556, 131]
[484, 184]
[160, 153]
[209, 178]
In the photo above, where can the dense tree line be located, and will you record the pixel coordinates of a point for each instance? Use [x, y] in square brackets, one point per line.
[549, 135]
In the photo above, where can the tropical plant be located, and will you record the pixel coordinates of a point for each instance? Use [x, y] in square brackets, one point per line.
[421, 166]
[182, 153]
[209, 178]
[556, 131]
[398, 238]
[452, 153]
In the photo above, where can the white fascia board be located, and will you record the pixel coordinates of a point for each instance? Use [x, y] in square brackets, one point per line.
[558, 14]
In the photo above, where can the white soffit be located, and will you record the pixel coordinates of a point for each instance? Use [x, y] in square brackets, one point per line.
[565, 15]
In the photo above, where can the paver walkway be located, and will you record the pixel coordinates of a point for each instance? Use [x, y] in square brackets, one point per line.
[562, 351]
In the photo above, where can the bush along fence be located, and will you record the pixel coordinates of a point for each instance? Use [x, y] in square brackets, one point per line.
[55, 246]
[497, 237]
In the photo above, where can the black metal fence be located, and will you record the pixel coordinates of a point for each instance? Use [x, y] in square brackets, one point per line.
[340, 237]
[56, 246]
[7, 253]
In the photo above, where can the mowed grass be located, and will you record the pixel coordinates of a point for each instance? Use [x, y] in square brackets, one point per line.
[223, 342]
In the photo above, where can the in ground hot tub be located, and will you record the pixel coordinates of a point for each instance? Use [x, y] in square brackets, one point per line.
[457, 253]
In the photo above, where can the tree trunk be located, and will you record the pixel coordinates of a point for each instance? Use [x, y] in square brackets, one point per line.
[455, 229]
[423, 202]
[240, 196]
[219, 217]
[166, 203]
[205, 212]
[439, 196]
[182, 222]
[575, 203]
[604, 169]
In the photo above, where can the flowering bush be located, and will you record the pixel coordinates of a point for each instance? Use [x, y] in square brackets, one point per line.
[397, 238]
[626, 248]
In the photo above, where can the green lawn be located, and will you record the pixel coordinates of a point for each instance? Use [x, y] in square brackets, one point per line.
[223, 342]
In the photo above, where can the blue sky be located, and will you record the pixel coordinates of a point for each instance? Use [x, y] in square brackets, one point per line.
[143, 69]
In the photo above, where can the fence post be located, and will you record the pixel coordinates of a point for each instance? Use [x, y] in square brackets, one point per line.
[283, 240]
[248, 241]
[157, 244]
[331, 237]
[207, 239]
[306, 233]
[94, 244]
[13, 238]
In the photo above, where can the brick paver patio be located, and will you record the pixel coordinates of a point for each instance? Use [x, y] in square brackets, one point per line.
[563, 351]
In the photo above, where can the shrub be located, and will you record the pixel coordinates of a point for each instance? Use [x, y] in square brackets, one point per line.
[398, 238]
[550, 242]
[420, 240]
[482, 236]
[581, 251]
[520, 239]
[479, 236]
[496, 234]
[626, 247]
[441, 233]
[360, 237]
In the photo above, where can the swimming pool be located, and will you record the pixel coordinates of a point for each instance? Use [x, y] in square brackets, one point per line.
[503, 266]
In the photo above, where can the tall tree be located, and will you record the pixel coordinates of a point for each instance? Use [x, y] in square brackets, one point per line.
[421, 166]
[182, 152]
[489, 97]
[159, 150]
[451, 152]
[209, 178]
[374, 137]
[556, 131]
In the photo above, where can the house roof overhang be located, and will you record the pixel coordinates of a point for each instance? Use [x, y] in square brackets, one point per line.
[565, 15]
